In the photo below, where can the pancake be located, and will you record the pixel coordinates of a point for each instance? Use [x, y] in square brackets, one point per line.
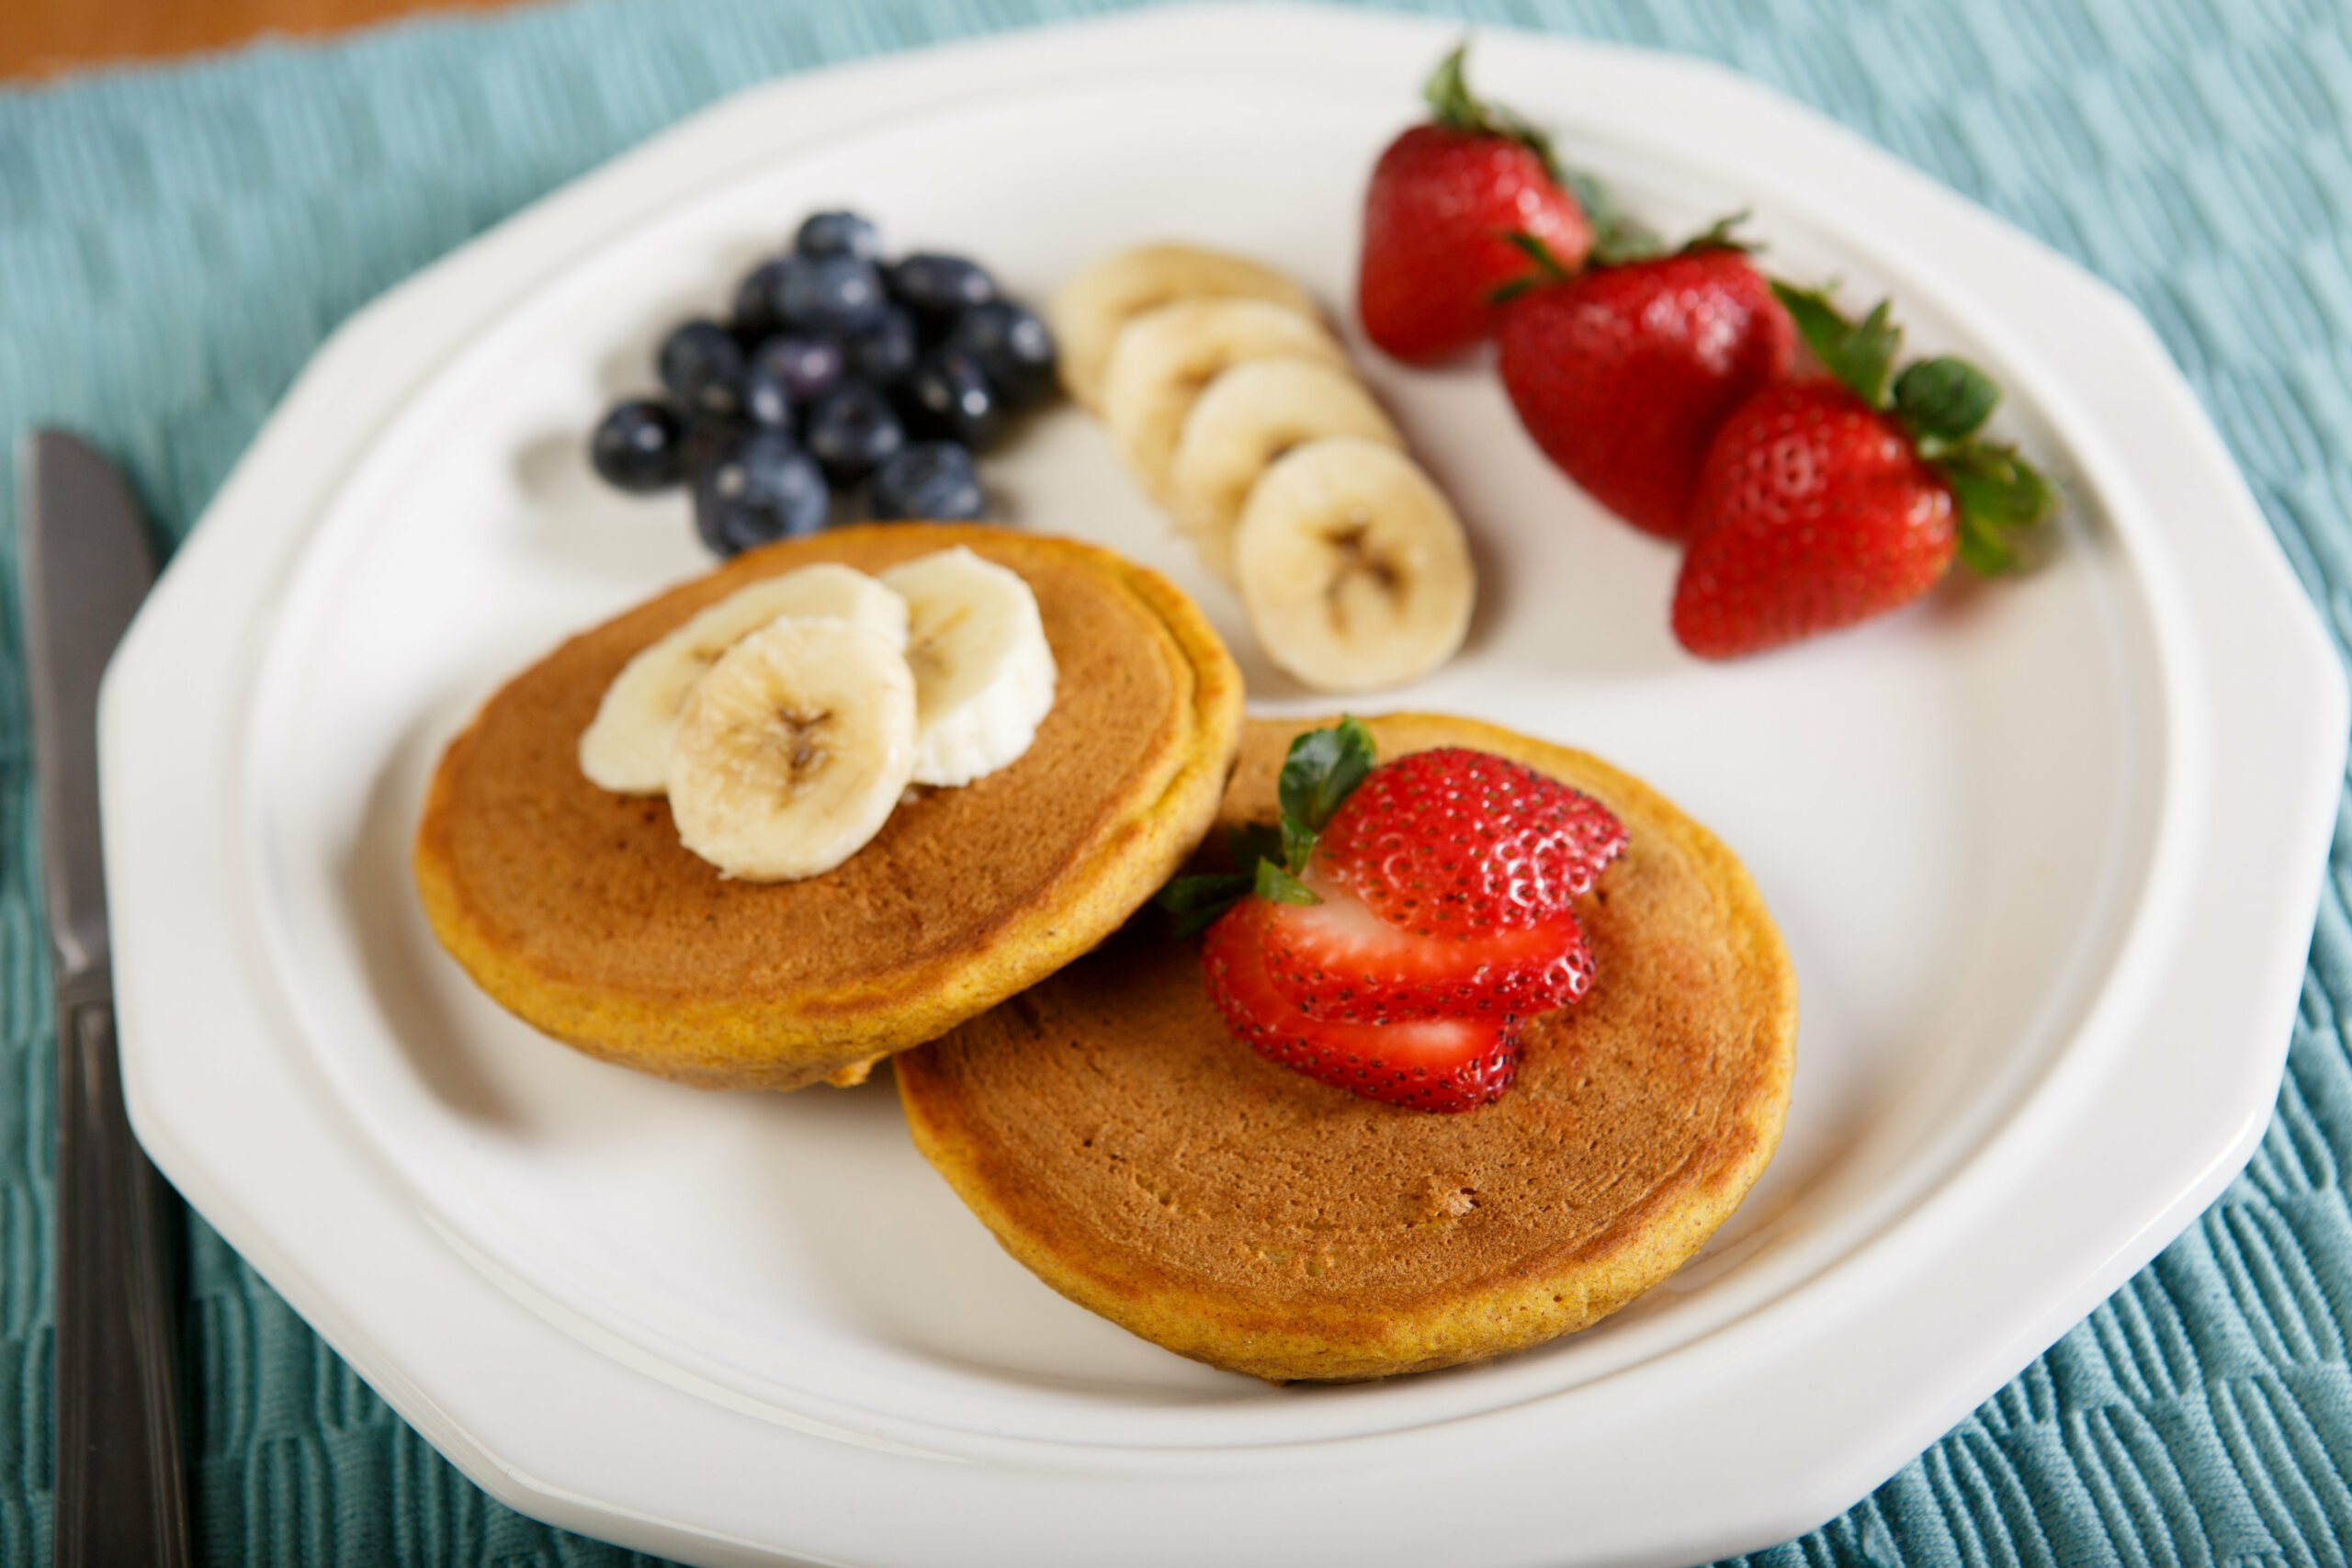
[1123, 1144]
[579, 911]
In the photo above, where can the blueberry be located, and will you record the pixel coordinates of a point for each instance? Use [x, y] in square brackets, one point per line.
[930, 479]
[789, 373]
[839, 234]
[802, 369]
[639, 446]
[767, 399]
[1012, 347]
[754, 316]
[947, 397]
[840, 296]
[710, 437]
[938, 288]
[765, 489]
[884, 352]
[852, 430]
[702, 365]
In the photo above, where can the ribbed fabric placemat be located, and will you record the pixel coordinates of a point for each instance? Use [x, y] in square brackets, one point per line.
[173, 244]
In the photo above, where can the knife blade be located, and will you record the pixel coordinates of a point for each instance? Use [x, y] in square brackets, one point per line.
[86, 565]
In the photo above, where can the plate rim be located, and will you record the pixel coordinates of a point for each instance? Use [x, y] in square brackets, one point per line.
[245, 529]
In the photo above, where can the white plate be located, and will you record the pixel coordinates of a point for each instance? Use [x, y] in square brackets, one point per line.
[730, 1328]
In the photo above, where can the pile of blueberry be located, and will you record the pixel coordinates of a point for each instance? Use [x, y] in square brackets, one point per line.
[837, 370]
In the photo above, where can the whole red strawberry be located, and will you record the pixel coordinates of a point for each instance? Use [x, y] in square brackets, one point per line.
[1824, 501]
[1621, 373]
[1393, 933]
[1444, 200]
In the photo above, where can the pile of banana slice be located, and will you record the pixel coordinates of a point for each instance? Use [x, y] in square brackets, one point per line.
[785, 721]
[1237, 409]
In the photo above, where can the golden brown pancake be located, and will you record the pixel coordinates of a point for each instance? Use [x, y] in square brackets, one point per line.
[580, 912]
[1148, 1166]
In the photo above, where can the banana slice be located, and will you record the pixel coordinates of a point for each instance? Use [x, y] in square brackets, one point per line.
[793, 748]
[984, 673]
[1353, 570]
[1164, 356]
[627, 747]
[1248, 417]
[1096, 302]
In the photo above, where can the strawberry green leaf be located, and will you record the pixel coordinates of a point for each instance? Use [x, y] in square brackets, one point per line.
[1198, 901]
[1323, 768]
[1819, 323]
[1453, 105]
[1549, 268]
[1618, 237]
[1867, 354]
[1278, 887]
[2000, 497]
[1944, 398]
[1723, 234]
[1448, 92]
[1250, 844]
[1859, 353]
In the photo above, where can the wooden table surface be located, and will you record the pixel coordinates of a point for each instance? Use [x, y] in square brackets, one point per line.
[44, 37]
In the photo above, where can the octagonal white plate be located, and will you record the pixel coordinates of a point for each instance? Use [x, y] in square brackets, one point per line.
[744, 1328]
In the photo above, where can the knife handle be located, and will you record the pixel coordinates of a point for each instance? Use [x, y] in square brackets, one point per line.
[118, 1491]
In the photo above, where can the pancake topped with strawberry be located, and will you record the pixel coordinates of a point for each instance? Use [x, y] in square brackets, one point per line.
[1350, 1155]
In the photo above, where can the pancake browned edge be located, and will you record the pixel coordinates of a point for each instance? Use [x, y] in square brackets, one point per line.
[1148, 1166]
[579, 911]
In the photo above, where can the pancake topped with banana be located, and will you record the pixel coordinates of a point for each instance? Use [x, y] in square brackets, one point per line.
[828, 801]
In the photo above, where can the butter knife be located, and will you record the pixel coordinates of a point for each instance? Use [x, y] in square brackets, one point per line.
[85, 566]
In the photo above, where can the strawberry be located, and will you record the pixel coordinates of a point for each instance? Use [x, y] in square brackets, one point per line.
[1621, 373]
[1412, 994]
[1826, 501]
[1340, 961]
[1456, 841]
[1433, 1064]
[1443, 201]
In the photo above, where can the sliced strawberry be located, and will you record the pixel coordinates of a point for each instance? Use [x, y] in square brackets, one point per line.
[1454, 840]
[1436, 1064]
[1347, 964]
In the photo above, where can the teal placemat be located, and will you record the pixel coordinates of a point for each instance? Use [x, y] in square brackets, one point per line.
[175, 243]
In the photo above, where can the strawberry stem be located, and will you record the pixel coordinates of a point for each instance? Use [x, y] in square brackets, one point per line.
[1322, 769]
